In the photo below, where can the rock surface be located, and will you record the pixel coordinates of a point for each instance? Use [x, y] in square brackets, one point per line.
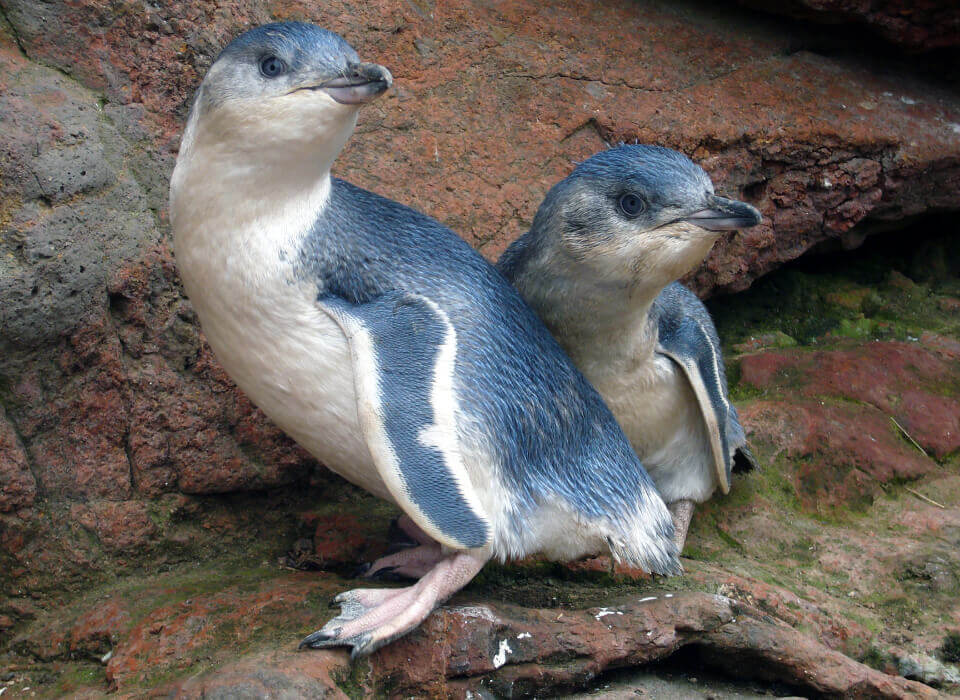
[126, 452]
[479, 647]
[914, 26]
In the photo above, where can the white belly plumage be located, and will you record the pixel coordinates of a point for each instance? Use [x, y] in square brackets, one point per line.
[659, 413]
[293, 361]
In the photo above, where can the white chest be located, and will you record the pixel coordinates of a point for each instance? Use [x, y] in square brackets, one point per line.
[658, 411]
[281, 349]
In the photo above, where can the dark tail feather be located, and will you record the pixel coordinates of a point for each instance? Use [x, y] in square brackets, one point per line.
[744, 461]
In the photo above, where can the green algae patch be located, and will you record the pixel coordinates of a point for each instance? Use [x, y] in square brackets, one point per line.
[889, 289]
[950, 649]
[354, 680]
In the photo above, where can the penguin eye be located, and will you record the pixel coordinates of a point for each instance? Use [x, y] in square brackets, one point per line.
[271, 66]
[630, 204]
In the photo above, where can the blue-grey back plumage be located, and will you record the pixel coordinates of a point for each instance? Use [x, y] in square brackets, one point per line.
[556, 436]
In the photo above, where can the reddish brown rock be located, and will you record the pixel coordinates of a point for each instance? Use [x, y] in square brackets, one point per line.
[18, 488]
[946, 348]
[120, 526]
[241, 638]
[903, 380]
[514, 651]
[91, 634]
[873, 147]
[341, 538]
[842, 453]
[268, 674]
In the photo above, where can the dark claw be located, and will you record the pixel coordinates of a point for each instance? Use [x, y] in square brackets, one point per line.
[361, 570]
[362, 647]
[318, 637]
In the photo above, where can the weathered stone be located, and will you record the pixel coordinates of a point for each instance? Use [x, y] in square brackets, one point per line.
[18, 488]
[514, 651]
[120, 526]
[903, 380]
[71, 212]
[242, 638]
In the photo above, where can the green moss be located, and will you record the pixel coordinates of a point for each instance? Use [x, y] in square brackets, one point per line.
[78, 676]
[875, 658]
[888, 289]
[354, 679]
[858, 328]
[950, 649]
[729, 539]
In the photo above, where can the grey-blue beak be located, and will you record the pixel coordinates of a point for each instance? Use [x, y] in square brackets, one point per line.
[724, 214]
[362, 83]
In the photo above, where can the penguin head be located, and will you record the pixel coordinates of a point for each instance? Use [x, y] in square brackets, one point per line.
[284, 90]
[637, 213]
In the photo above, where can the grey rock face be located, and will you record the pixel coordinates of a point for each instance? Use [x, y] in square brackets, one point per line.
[70, 207]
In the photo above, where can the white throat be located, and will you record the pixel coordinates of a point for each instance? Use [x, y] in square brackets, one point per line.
[241, 202]
[256, 160]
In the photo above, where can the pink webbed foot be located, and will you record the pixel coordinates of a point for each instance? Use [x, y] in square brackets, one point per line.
[370, 618]
[406, 564]
[411, 554]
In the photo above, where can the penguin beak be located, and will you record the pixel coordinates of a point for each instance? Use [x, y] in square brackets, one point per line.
[724, 214]
[362, 83]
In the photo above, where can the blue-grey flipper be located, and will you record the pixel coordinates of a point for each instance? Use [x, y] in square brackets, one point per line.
[687, 336]
[404, 352]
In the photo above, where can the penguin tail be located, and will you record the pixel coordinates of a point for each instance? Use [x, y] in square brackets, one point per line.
[644, 539]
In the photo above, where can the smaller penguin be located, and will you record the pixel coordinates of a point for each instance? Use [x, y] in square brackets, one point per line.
[599, 265]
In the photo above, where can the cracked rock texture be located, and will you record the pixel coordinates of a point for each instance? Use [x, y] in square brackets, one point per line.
[126, 452]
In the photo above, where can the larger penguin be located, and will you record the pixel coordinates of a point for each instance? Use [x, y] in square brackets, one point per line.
[599, 265]
[384, 344]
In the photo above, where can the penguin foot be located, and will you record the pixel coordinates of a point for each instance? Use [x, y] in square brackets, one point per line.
[404, 534]
[404, 524]
[682, 512]
[412, 563]
[398, 538]
[372, 617]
